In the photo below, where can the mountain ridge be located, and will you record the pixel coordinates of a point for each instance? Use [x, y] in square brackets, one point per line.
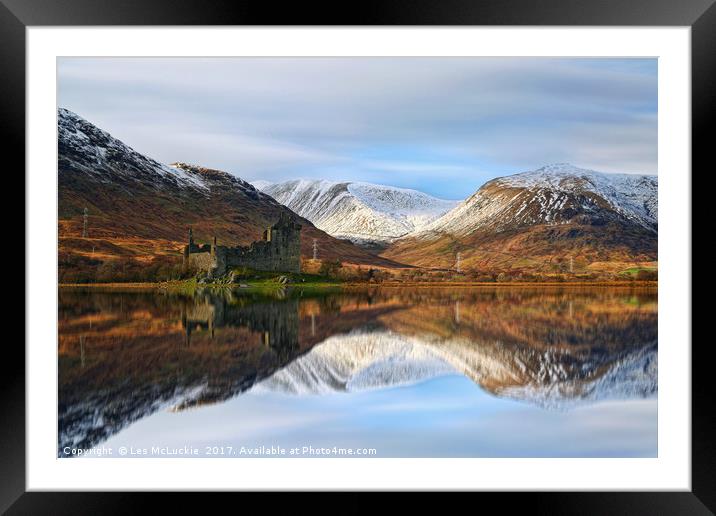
[633, 196]
[532, 219]
[140, 209]
[365, 213]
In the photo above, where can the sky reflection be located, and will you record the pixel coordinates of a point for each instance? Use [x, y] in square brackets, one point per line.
[447, 416]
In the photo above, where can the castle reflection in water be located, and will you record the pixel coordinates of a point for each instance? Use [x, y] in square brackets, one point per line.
[276, 324]
[125, 355]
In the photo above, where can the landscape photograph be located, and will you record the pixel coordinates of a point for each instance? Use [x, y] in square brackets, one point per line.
[357, 257]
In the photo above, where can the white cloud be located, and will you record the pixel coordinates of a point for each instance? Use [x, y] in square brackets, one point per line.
[283, 117]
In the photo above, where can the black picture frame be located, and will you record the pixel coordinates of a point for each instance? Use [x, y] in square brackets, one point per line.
[700, 15]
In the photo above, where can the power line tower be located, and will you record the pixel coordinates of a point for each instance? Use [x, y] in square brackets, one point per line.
[571, 264]
[457, 262]
[315, 249]
[84, 224]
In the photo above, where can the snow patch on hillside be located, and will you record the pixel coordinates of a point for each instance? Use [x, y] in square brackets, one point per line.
[415, 208]
[551, 195]
[261, 184]
[361, 212]
[634, 195]
[85, 147]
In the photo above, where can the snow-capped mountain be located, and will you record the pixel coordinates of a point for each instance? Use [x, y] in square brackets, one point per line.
[551, 195]
[83, 147]
[554, 378]
[557, 210]
[360, 212]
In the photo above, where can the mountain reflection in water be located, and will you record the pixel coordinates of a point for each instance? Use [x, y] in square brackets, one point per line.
[124, 356]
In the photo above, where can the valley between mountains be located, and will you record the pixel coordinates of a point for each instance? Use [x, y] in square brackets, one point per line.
[559, 222]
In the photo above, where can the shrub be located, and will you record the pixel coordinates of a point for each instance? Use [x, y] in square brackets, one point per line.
[647, 275]
[330, 268]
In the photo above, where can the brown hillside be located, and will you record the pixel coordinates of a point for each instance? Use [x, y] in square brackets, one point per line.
[140, 209]
[550, 220]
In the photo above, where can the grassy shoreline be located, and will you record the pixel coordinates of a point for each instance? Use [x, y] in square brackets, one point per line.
[349, 285]
[513, 284]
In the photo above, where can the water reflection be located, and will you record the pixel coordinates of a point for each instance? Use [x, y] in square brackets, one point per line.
[125, 356]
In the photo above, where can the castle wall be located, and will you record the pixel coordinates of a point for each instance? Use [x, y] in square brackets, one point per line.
[200, 261]
[274, 255]
[280, 251]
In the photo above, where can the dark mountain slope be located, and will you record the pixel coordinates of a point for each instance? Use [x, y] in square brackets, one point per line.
[140, 208]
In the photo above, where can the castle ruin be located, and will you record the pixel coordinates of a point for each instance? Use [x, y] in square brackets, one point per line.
[278, 251]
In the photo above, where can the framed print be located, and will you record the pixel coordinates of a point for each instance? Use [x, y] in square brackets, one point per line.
[421, 249]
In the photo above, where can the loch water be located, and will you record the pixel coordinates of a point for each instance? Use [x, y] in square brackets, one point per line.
[383, 372]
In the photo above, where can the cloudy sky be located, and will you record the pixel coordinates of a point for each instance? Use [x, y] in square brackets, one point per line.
[440, 125]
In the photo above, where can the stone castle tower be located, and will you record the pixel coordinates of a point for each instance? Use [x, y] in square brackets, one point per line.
[279, 251]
